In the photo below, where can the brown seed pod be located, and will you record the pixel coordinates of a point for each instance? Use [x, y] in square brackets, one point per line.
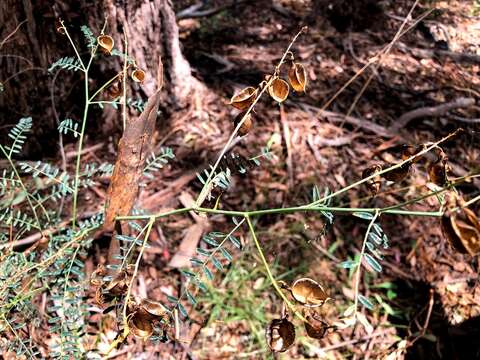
[308, 292]
[373, 185]
[462, 229]
[116, 88]
[280, 335]
[119, 284]
[278, 90]
[297, 76]
[97, 275]
[398, 174]
[153, 309]
[247, 124]
[244, 99]
[410, 150]
[138, 75]
[140, 325]
[106, 43]
[438, 170]
[59, 27]
[315, 327]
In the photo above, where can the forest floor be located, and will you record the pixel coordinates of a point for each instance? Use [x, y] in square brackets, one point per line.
[427, 296]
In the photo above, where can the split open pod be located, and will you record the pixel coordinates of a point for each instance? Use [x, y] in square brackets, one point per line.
[244, 99]
[308, 292]
[316, 328]
[373, 184]
[138, 75]
[297, 76]
[280, 334]
[106, 43]
[279, 90]
[461, 227]
[246, 125]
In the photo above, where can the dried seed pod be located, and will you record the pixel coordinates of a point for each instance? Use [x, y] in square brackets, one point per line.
[97, 275]
[115, 89]
[244, 99]
[411, 150]
[315, 327]
[119, 284]
[373, 185]
[99, 296]
[438, 170]
[278, 90]
[308, 292]
[138, 75]
[106, 43]
[140, 325]
[280, 335]
[59, 28]
[247, 124]
[462, 229]
[398, 174]
[297, 76]
[153, 309]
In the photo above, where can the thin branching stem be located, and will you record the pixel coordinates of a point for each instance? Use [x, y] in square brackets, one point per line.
[74, 47]
[269, 272]
[206, 188]
[12, 329]
[27, 194]
[393, 167]
[359, 266]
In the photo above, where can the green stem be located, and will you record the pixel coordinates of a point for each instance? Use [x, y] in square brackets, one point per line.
[137, 264]
[27, 194]
[74, 47]
[269, 272]
[393, 167]
[79, 153]
[103, 87]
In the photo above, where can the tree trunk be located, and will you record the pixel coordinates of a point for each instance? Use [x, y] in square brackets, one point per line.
[29, 43]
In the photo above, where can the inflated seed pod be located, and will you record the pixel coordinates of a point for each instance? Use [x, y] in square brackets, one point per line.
[297, 76]
[280, 335]
[279, 90]
[438, 169]
[398, 174]
[373, 185]
[244, 99]
[140, 325]
[461, 228]
[106, 43]
[308, 292]
[138, 75]
[247, 124]
[153, 309]
[316, 328]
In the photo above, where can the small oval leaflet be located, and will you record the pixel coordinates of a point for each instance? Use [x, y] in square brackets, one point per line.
[363, 215]
[365, 302]
[374, 264]
[348, 264]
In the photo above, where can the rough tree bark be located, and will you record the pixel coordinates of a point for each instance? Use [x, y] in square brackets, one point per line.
[29, 44]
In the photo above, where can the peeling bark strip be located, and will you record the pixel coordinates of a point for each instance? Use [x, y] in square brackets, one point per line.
[132, 152]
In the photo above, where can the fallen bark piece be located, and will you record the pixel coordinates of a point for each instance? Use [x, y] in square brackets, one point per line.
[430, 111]
[132, 153]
